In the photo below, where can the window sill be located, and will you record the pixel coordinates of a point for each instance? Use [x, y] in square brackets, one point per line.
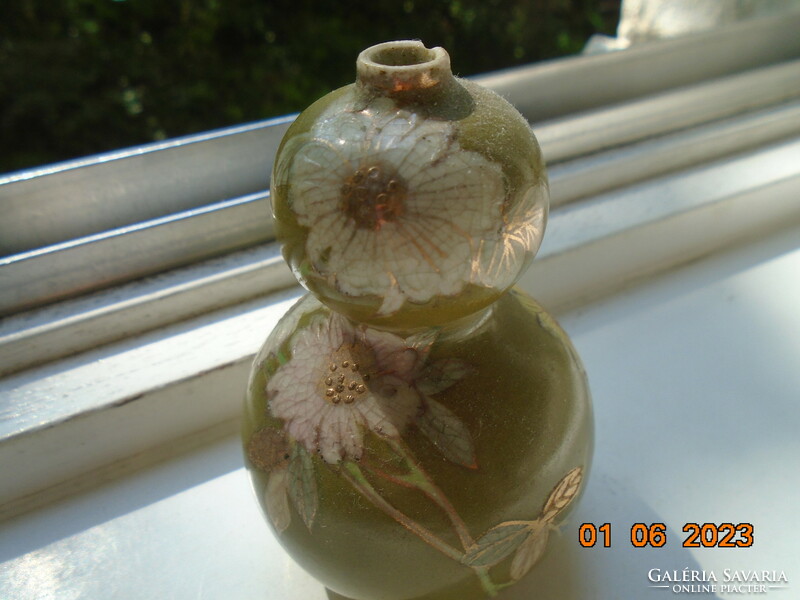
[155, 370]
[694, 381]
[129, 397]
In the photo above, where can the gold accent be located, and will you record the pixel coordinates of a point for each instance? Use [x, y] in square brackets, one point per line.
[344, 386]
[372, 197]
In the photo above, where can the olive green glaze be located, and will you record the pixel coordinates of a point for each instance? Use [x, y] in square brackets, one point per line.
[526, 403]
[415, 428]
[483, 122]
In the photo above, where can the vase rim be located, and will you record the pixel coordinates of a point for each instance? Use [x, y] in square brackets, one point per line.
[403, 66]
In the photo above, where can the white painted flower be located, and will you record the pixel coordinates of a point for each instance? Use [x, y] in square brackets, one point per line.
[395, 207]
[342, 380]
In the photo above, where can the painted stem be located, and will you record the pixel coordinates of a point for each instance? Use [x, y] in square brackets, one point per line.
[489, 586]
[356, 478]
[432, 491]
[413, 481]
[425, 484]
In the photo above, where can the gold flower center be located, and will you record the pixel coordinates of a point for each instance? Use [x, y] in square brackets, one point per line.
[347, 375]
[373, 196]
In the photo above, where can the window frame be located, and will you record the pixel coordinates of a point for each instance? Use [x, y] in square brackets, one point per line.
[104, 377]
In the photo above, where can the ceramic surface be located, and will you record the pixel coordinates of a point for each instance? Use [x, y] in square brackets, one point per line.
[414, 428]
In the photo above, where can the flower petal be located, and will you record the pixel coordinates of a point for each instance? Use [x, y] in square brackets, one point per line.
[464, 189]
[339, 332]
[393, 300]
[381, 395]
[452, 199]
[411, 144]
[316, 177]
[346, 130]
[352, 436]
[392, 353]
[353, 260]
[426, 258]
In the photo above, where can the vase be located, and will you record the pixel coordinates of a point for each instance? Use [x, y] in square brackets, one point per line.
[415, 427]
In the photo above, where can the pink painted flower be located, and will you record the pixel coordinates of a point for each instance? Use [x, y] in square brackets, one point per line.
[342, 380]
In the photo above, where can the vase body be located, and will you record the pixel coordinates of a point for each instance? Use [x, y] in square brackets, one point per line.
[414, 428]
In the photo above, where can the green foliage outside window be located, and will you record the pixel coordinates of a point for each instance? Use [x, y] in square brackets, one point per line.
[79, 77]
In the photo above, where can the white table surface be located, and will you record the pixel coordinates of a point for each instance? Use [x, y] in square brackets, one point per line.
[696, 384]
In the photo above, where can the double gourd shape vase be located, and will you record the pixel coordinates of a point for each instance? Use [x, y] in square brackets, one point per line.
[414, 428]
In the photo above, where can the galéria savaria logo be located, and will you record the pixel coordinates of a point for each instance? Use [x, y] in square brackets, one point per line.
[729, 581]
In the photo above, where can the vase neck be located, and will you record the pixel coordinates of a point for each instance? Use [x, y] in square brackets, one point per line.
[404, 70]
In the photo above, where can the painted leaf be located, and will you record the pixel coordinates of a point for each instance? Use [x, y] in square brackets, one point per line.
[562, 494]
[442, 374]
[496, 544]
[276, 500]
[448, 433]
[303, 485]
[529, 552]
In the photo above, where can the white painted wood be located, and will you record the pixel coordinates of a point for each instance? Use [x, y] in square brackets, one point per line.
[78, 198]
[127, 397]
[37, 336]
[596, 247]
[66, 425]
[114, 257]
[42, 335]
[192, 374]
[119, 188]
[563, 87]
[695, 380]
[669, 111]
[684, 149]
[164, 205]
[643, 20]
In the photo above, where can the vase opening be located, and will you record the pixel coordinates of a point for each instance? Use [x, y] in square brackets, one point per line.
[403, 66]
[401, 55]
